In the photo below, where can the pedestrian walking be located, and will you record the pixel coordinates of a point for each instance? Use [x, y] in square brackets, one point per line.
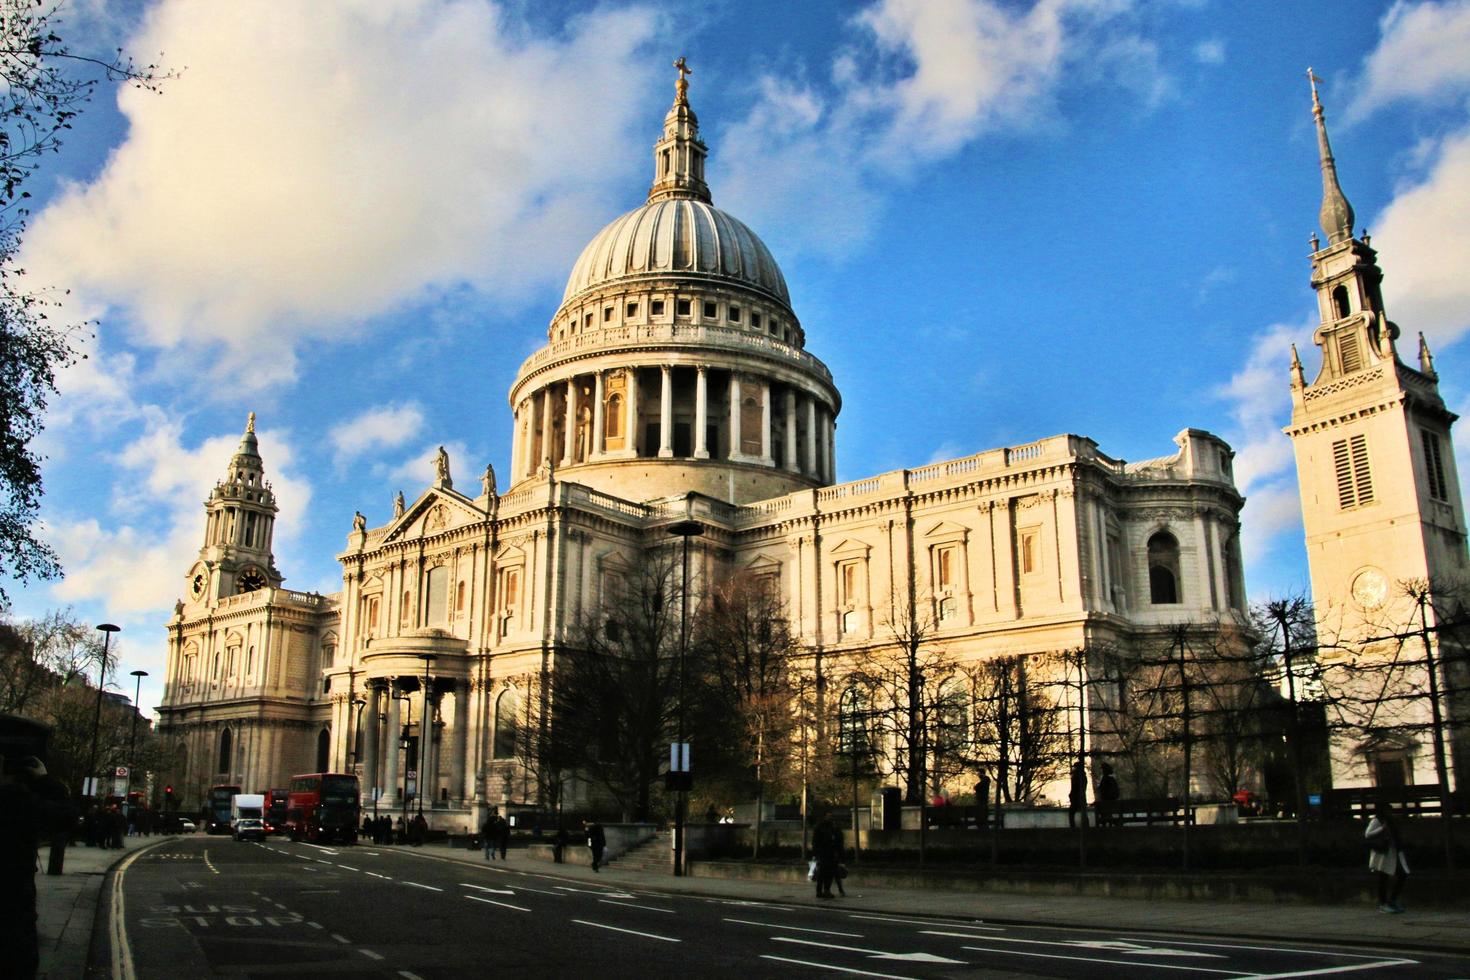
[33, 807]
[420, 830]
[982, 802]
[1078, 797]
[1107, 797]
[502, 835]
[488, 833]
[559, 845]
[827, 850]
[400, 832]
[1386, 857]
[597, 841]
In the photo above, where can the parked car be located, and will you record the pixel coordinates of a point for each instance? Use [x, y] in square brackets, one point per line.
[249, 828]
[186, 826]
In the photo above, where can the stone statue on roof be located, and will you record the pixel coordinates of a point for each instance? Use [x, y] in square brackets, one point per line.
[487, 482]
[398, 505]
[441, 469]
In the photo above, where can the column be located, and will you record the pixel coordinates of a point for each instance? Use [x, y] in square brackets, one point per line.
[632, 428]
[666, 414]
[395, 729]
[546, 430]
[569, 425]
[819, 463]
[371, 730]
[701, 413]
[461, 739]
[766, 423]
[811, 437]
[598, 423]
[428, 753]
[791, 429]
[735, 447]
[832, 448]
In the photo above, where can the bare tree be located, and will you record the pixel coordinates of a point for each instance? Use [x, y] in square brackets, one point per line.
[1020, 726]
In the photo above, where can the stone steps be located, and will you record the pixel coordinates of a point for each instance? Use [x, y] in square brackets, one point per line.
[655, 855]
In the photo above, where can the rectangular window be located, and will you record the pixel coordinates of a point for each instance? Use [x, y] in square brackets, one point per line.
[1028, 544]
[587, 321]
[632, 310]
[1351, 353]
[944, 568]
[1354, 477]
[734, 314]
[607, 314]
[681, 307]
[709, 311]
[656, 307]
[510, 598]
[755, 320]
[1434, 465]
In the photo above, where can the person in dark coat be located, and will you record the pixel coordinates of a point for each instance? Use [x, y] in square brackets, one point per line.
[1107, 797]
[490, 833]
[982, 802]
[559, 846]
[33, 807]
[827, 850]
[597, 841]
[502, 836]
[420, 830]
[1078, 797]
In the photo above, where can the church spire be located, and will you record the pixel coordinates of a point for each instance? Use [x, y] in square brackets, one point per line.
[678, 157]
[1337, 214]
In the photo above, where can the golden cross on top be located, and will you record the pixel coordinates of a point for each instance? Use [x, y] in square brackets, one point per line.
[1314, 81]
[683, 67]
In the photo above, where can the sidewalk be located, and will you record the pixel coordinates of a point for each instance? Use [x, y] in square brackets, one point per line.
[67, 904]
[1330, 925]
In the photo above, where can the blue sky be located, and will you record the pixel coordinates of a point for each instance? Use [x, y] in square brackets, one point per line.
[999, 221]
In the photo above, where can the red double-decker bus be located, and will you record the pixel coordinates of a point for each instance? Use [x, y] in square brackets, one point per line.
[275, 810]
[323, 807]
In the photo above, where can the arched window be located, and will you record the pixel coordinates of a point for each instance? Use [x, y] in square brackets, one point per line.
[437, 584]
[459, 593]
[250, 662]
[214, 673]
[1163, 569]
[405, 612]
[323, 747]
[1340, 303]
[507, 724]
[852, 722]
[226, 753]
[612, 417]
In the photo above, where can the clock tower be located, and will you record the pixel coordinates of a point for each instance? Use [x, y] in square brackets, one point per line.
[241, 515]
[1381, 503]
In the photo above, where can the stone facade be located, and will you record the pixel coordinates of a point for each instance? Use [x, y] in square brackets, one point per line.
[674, 386]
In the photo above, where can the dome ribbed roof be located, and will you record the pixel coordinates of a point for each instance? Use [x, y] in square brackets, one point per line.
[677, 237]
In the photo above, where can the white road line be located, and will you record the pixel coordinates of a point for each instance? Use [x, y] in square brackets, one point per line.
[317, 847]
[839, 969]
[370, 954]
[540, 891]
[877, 954]
[491, 901]
[1151, 938]
[426, 887]
[376, 875]
[916, 922]
[777, 925]
[1330, 969]
[962, 935]
[487, 888]
[349, 867]
[1135, 964]
[409, 976]
[631, 905]
[342, 939]
[316, 925]
[754, 905]
[631, 932]
[324, 861]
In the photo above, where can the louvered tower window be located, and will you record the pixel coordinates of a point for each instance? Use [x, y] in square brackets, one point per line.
[1434, 465]
[1354, 478]
[1351, 352]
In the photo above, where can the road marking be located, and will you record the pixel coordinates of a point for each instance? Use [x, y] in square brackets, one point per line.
[426, 887]
[486, 888]
[318, 847]
[631, 932]
[877, 954]
[839, 969]
[370, 954]
[917, 922]
[777, 925]
[540, 891]
[1135, 964]
[491, 901]
[324, 861]
[755, 905]
[209, 864]
[349, 867]
[631, 905]
[376, 875]
[342, 939]
[599, 892]
[1104, 945]
[122, 953]
[1264, 949]
[316, 925]
[962, 935]
[409, 976]
[1331, 969]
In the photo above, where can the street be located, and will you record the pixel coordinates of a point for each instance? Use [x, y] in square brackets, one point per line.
[211, 906]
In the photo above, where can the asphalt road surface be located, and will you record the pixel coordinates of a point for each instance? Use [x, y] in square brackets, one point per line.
[196, 907]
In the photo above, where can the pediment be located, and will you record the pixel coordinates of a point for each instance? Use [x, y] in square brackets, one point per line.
[437, 511]
[762, 564]
[510, 554]
[946, 531]
[852, 548]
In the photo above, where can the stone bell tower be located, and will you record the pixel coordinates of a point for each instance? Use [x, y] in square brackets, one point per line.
[241, 516]
[1380, 494]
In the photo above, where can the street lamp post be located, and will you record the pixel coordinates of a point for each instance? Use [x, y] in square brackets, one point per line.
[683, 529]
[107, 629]
[426, 732]
[133, 737]
[403, 744]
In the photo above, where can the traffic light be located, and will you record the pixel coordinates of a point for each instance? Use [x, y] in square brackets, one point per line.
[168, 798]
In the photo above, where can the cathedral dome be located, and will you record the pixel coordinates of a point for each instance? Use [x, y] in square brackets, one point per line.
[686, 237]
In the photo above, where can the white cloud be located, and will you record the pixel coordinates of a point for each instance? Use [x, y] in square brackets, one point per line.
[376, 429]
[316, 164]
[1424, 239]
[921, 80]
[1421, 55]
[1210, 52]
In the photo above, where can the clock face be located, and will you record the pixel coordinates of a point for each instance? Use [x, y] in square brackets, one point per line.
[250, 580]
[196, 585]
[1370, 588]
